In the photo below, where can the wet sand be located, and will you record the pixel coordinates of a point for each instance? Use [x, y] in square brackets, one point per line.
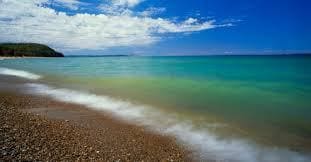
[35, 128]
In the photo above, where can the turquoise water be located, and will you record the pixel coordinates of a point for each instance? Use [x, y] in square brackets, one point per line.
[265, 99]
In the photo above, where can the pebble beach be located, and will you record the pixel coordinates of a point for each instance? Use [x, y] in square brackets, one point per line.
[35, 128]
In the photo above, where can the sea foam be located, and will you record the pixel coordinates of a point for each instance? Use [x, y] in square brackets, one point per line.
[19, 73]
[205, 144]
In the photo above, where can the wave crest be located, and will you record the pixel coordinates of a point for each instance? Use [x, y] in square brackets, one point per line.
[19, 73]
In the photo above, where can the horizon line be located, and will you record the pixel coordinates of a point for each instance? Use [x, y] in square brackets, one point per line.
[135, 55]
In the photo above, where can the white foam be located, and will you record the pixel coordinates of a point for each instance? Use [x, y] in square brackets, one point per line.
[206, 144]
[19, 73]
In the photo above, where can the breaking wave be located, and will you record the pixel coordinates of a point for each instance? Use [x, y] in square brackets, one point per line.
[19, 73]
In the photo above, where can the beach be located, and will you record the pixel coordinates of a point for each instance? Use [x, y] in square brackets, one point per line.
[159, 108]
[155, 80]
[35, 128]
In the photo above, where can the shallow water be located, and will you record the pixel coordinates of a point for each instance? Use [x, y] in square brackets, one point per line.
[222, 105]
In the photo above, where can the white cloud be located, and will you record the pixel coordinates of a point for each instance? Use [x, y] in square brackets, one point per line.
[127, 3]
[71, 4]
[151, 11]
[119, 7]
[30, 21]
[114, 10]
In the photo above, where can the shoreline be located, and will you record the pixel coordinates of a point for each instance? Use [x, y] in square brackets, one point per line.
[38, 128]
[138, 100]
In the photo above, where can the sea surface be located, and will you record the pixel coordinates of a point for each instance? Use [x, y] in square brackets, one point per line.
[226, 108]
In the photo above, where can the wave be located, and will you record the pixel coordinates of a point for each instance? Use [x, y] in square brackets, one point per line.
[205, 144]
[19, 73]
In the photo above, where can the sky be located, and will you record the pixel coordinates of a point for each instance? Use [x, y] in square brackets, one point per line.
[160, 27]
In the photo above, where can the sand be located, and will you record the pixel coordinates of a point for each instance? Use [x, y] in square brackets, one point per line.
[35, 128]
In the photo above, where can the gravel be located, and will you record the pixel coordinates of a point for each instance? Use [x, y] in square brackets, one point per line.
[48, 135]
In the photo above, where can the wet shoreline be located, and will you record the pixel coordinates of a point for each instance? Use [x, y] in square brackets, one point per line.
[38, 128]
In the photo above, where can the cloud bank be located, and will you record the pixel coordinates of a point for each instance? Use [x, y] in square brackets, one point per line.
[117, 25]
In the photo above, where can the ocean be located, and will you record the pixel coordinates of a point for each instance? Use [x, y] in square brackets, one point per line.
[226, 108]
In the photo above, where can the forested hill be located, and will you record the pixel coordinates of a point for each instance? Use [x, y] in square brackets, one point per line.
[27, 50]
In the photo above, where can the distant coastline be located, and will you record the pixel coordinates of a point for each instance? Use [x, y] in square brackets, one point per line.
[21, 50]
[212, 55]
[98, 55]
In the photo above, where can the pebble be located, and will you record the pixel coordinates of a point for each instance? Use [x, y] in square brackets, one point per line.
[31, 137]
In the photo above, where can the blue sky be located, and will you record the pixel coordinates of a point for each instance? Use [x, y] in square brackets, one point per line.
[266, 26]
[160, 27]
